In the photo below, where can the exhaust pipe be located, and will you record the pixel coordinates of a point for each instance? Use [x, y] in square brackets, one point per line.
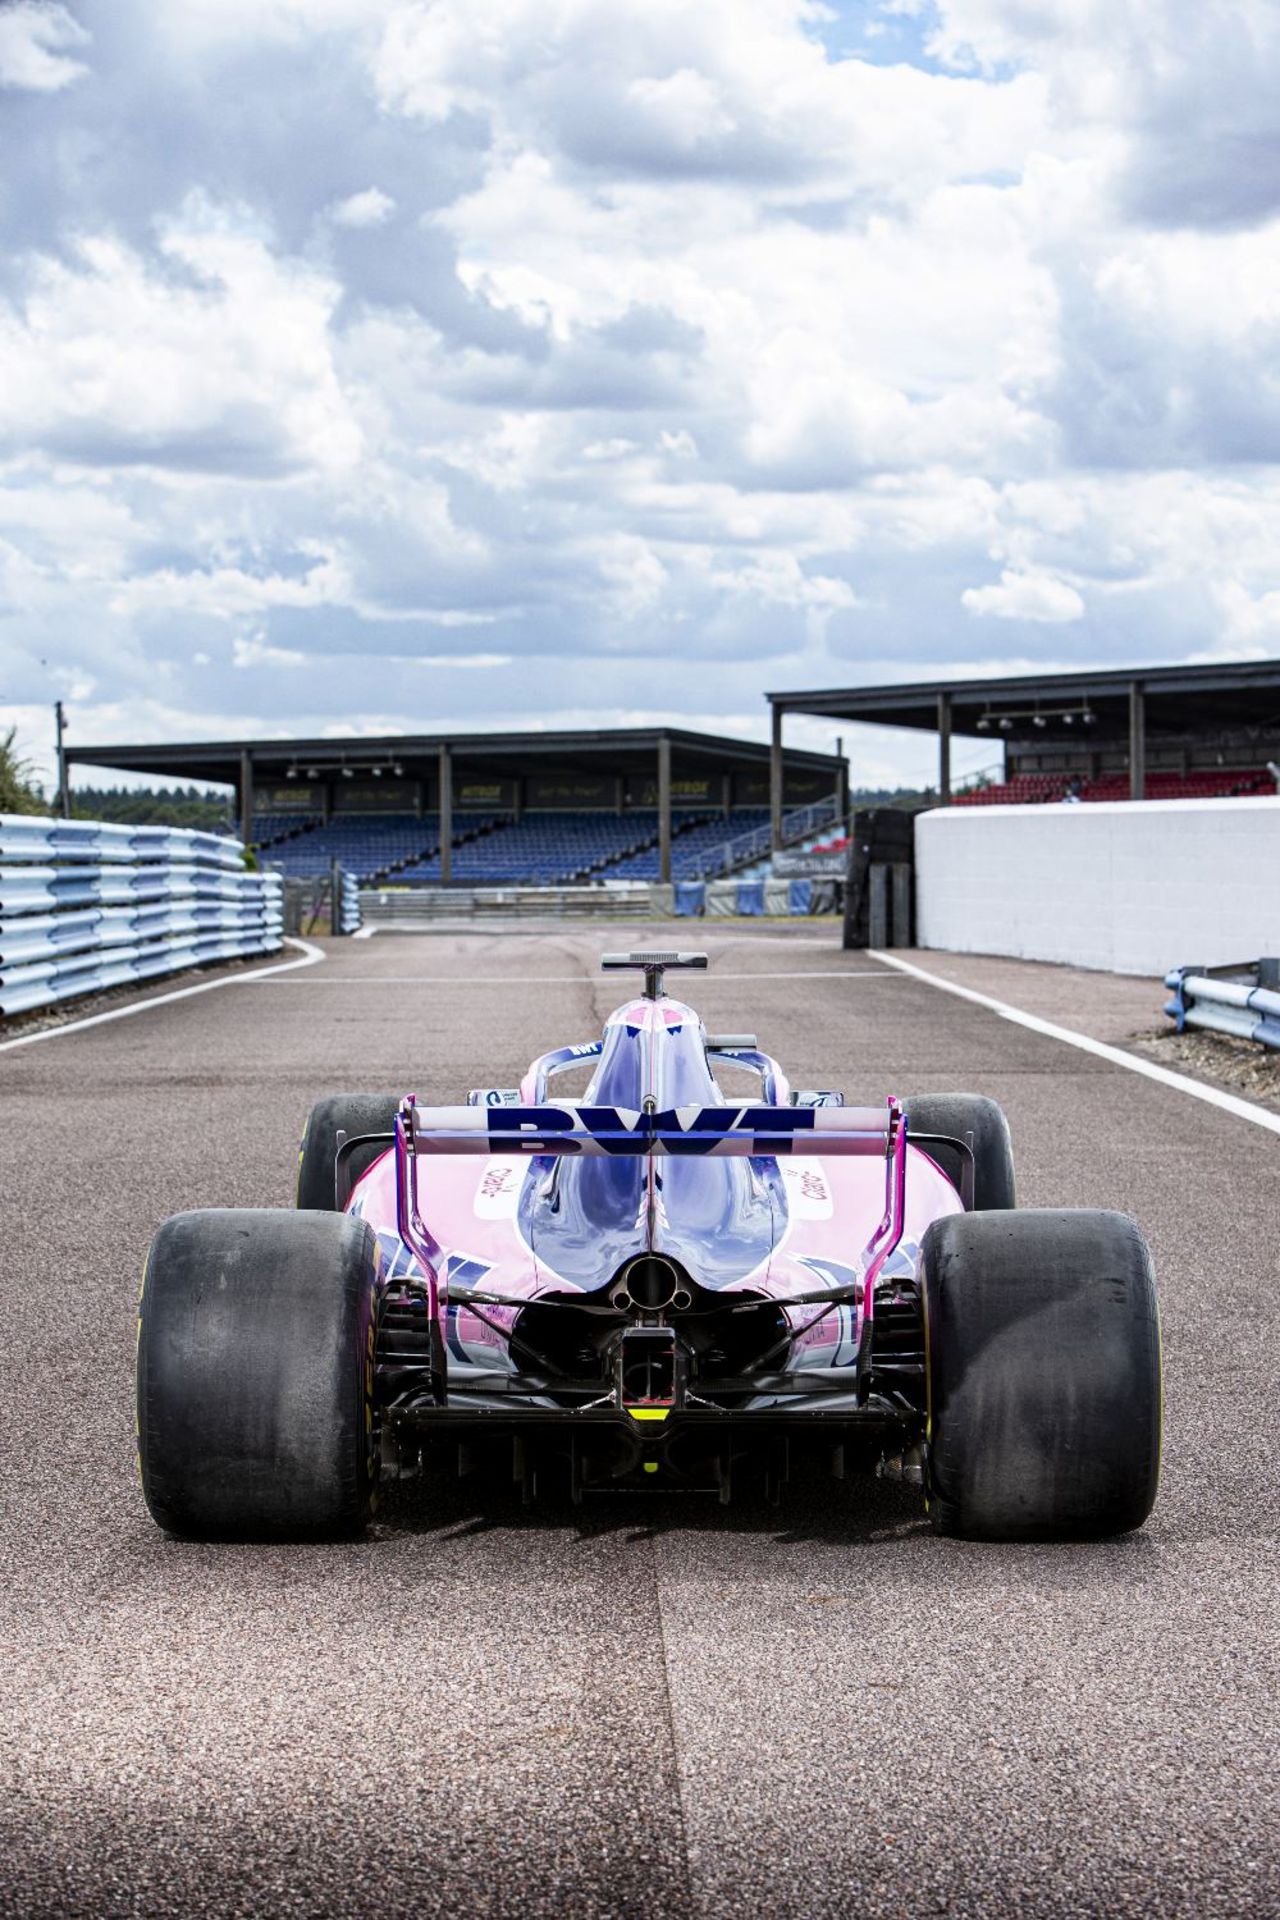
[649, 1283]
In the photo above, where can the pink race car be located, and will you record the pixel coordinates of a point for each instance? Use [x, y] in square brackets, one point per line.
[654, 1286]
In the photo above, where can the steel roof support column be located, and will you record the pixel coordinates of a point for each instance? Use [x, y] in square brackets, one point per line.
[246, 796]
[664, 810]
[64, 783]
[446, 816]
[1137, 740]
[775, 781]
[944, 749]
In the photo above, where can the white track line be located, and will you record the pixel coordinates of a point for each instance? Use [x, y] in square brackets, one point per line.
[1133, 1063]
[310, 955]
[558, 979]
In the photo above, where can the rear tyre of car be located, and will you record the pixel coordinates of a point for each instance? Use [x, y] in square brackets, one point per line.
[956, 1114]
[354, 1114]
[255, 1375]
[1042, 1342]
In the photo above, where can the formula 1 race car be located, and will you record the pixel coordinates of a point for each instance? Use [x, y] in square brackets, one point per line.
[652, 1287]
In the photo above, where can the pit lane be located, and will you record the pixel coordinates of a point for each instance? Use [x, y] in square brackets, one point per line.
[653, 1704]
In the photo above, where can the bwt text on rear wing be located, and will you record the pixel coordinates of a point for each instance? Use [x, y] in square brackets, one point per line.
[571, 1128]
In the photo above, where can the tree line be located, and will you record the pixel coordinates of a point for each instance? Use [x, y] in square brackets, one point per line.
[21, 792]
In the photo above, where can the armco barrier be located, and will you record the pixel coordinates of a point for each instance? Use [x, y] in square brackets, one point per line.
[86, 905]
[1241, 1000]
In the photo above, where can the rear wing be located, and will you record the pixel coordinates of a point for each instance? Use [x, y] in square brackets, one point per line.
[876, 1132]
[572, 1128]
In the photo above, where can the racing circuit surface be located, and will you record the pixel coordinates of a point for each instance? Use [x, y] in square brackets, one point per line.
[649, 1705]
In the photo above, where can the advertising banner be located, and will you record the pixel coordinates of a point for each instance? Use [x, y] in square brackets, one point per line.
[572, 790]
[814, 865]
[484, 796]
[295, 798]
[374, 796]
[696, 791]
[799, 788]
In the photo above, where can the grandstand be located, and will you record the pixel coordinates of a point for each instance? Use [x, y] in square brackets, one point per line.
[1154, 733]
[1028, 789]
[499, 809]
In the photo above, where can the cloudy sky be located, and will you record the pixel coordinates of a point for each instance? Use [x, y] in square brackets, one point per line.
[389, 363]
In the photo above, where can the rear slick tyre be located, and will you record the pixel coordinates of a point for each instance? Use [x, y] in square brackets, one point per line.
[956, 1114]
[354, 1114]
[1042, 1341]
[255, 1375]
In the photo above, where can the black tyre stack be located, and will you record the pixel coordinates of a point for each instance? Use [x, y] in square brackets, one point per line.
[878, 885]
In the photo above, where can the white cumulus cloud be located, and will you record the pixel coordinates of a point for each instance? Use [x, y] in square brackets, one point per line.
[1026, 596]
[370, 208]
[633, 342]
[38, 43]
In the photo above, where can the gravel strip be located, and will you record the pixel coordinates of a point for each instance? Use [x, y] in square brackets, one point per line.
[1237, 1066]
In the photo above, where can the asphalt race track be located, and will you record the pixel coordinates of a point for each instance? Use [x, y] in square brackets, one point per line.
[650, 1706]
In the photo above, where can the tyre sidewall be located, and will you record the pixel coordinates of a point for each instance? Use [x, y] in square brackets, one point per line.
[353, 1114]
[255, 1374]
[956, 1114]
[1044, 1375]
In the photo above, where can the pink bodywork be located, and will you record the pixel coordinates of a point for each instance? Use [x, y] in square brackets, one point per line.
[848, 1217]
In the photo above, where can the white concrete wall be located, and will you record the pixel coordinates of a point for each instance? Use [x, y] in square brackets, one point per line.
[1134, 887]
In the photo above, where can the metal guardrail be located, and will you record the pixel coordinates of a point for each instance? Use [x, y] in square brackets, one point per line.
[86, 905]
[1243, 1000]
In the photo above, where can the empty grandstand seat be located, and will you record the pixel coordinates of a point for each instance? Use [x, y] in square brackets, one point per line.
[548, 847]
[1202, 783]
[364, 844]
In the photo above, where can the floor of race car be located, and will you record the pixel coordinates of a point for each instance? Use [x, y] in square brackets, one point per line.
[650, 1704]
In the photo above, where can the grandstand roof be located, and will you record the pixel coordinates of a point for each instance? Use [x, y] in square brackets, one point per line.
[595, 750]
[1177, 699]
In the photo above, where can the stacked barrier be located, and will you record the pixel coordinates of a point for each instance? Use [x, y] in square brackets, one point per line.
[1242, 1000]
[347, 914]
[86, 905]
[750, 898]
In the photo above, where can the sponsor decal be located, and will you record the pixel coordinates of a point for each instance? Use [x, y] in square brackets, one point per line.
[686, 1130]
[498, 1192]
[808, 1194]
